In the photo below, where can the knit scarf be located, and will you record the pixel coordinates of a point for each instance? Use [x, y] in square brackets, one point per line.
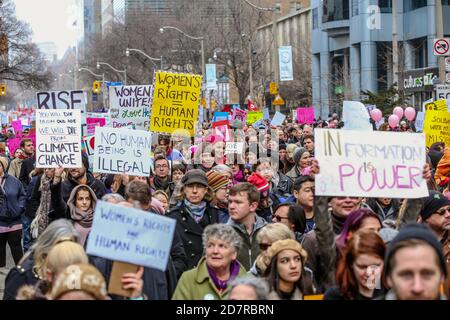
[41, 220]
[223, 284]
[160, 184]
[84, 218]
[196, 211]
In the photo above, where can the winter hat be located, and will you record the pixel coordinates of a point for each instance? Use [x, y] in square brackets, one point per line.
[287, 244]
[433, 203]
[290, 149]
[4, 163]
[259, 182]
[83, 277]
[216, 180]
[298, 154]
[419, 232]
[195, 176]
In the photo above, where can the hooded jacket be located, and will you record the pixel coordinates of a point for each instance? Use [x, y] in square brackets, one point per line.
[12, 201]
[249, 250]
[391, 213]
[96, 185]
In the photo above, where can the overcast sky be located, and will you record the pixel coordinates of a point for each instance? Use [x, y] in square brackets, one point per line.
[50, 21]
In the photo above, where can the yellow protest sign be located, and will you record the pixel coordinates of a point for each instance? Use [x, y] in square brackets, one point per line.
[437, 125]
[176, 97]
[253, 116]
[437, 105]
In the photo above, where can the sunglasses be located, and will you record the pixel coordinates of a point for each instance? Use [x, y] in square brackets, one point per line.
[443, 211]
[264, 246]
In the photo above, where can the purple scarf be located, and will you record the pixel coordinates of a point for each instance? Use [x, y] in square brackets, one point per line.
[222, 285]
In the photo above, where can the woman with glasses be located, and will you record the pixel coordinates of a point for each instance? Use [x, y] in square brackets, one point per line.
[266, 236]
[293, 216]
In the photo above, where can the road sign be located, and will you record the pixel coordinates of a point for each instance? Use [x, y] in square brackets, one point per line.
[447, 64]
[443, 91]
[278, 101]
[441, 47]
[273, 88]
[114, 84]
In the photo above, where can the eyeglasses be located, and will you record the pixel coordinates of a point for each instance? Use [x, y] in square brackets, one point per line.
[279, 219]
[161, 166]
[443, 211]
[264, 246]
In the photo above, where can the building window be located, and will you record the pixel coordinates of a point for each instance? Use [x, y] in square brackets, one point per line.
[355, 7]
[415, 4]
[385, 6]
[315, 18]
[335, 10]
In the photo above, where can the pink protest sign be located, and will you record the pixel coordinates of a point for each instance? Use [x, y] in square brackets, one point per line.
[17, 125]
[239, 114]
[91, 123]
[14, 144]
[222, 128]
[305, 115]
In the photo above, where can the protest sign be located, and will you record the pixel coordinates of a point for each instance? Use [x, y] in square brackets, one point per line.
[89, 149]
[305, 115]
[130, 105]
[222, 128]
[14, 143]
[131, 235]
[356, 116]
[437, 125]
[103, 115]
[91, 123]
[436, 105]
[175, 102]
[239, 114]
[418, 122]
[220, 116]
[253, 116]
[278, 119]
[58, 140]
[370, 163]
[122, 151]
[17, 125]
[266, 115]
[234, 147]
[69, 99]
[201, 115]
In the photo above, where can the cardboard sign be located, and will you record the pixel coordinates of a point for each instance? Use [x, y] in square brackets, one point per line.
[115, 280]
[131, 235]
[278, 119]
[58, 140]
[239, 114]
[130, 105]
[437, 125]
[175, 102]
[305, 115]
[122, 150]
[222, 128]
[91, 123]
[68, 99]
[370, 164]
[14, 144]
[253, 116]
[234, 147]
[356, 116]
[17, 125]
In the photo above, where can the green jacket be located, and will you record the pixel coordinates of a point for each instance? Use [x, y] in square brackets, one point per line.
[196, 284]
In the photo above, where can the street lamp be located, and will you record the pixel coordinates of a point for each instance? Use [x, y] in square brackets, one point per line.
[190, 37]
[128, 50]
[274, 9]
[116, 70]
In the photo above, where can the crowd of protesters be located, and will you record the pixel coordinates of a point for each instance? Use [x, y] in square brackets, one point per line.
[247, 227]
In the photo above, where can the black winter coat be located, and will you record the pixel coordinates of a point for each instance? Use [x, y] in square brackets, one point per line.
[190, 232]
[18, 276]
[25, 170]
[96, 185]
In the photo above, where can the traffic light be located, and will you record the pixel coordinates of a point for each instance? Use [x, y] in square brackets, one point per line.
[2, 89]
[96, 86]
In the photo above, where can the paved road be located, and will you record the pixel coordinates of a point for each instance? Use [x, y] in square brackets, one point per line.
[9, 265]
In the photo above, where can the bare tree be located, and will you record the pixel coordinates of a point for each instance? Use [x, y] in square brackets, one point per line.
[20, 59]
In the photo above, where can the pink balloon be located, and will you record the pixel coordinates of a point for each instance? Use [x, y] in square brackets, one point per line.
[410, 113]
[376, 115]
[398, 111]
[393, 121]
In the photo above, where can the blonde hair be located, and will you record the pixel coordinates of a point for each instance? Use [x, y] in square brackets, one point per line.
[274, 232]
[62, 255]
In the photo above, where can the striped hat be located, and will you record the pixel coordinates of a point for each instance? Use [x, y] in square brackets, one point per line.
[216, 180]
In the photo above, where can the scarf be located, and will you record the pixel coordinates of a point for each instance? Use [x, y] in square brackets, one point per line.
[238, 177]
[223, 284]
[160, 184]
[84, 218]
[194, 210]
[41, 220]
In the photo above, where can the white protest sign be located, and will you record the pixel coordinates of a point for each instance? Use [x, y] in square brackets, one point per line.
[130, 105]
[370, 164]
[58, 138]
[123, 150]
[278, 119]
[234, 147]
[418, 122]
[68, 99]
[131, 235]
[356, 116]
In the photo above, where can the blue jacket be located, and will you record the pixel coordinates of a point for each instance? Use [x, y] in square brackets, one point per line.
[12, 201]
